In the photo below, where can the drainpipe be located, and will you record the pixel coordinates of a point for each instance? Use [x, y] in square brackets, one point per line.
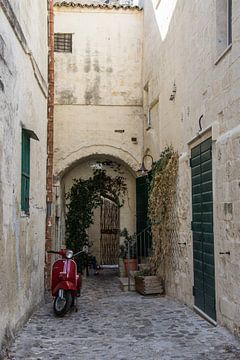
[50, 128]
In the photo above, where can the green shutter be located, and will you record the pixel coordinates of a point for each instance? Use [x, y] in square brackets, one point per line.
[25, 182]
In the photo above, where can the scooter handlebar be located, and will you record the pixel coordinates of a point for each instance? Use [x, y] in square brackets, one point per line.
[52, 252]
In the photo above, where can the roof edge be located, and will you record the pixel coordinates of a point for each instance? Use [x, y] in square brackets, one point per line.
[95, 6]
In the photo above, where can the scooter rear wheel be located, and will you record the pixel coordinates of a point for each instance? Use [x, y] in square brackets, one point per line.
[62, 305]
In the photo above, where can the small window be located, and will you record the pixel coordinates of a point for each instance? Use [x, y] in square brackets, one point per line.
[224, 25]
[25, 181]
[63, 43]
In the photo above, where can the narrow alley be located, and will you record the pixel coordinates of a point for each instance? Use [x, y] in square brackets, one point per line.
[112, 324]
[120, 148]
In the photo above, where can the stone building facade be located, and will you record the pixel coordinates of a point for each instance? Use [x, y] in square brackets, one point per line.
[191, 86]
[98, 97]
[137, 81]
[23, 138]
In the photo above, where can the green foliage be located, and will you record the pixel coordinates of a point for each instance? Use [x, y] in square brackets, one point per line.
[130, 241]
[144, 272]
[162, 205]
[83, 198]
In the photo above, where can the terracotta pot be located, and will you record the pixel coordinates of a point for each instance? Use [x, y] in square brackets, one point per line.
[130, 265]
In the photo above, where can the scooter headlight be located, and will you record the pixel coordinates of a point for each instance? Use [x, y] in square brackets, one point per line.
[69, 254]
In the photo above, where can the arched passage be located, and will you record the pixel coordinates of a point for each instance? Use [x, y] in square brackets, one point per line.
[83, 168]
[124, 157]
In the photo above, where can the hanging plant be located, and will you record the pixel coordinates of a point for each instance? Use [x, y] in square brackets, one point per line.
[85, 196]
[162, 205]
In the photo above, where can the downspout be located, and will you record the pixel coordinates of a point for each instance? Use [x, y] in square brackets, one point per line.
[50, 129]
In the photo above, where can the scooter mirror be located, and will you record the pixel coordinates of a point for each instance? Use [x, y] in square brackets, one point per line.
[85, 249]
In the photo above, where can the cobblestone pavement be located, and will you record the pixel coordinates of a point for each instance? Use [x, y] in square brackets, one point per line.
[111, 324]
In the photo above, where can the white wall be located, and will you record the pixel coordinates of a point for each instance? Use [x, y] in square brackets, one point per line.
[98, 85]
[98, 106]
[22, 103]
[185, 51]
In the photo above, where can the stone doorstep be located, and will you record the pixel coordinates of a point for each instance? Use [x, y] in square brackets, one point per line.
[124, 284]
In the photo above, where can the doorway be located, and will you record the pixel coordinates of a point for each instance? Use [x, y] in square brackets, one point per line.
[202, 228]
[109, 228]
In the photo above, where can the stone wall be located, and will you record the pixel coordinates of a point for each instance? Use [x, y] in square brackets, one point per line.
[186, 77]
[23, 94]
[98, 110]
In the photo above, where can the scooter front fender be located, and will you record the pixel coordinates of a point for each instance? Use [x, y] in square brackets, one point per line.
[65, 285]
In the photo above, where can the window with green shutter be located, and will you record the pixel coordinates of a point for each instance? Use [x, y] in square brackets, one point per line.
[25, 182]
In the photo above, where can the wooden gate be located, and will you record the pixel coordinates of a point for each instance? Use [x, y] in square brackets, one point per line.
[202, 228]
[109, 241]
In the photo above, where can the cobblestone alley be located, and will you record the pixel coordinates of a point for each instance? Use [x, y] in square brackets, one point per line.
[111, 324]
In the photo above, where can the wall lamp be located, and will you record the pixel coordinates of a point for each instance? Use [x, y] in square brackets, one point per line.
[143, 170]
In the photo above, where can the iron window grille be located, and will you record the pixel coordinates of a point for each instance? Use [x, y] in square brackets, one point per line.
[63, 42]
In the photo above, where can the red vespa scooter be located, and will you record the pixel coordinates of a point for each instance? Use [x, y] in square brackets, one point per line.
[66, 283]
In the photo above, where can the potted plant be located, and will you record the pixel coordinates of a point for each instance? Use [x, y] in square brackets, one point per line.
[147, 282]
[128, 251]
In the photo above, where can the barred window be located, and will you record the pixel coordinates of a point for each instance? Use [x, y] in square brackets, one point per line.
[63, 42]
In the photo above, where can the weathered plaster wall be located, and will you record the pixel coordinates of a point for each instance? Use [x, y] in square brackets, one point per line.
[104, 71]
[98, 106]
[22, 103]
[104, 67]
[185, 52]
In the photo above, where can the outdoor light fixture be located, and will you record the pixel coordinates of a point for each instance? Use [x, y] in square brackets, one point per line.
[143, 170]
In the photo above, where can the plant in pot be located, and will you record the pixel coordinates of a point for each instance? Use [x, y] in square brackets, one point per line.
[128, 251]
[147, 282]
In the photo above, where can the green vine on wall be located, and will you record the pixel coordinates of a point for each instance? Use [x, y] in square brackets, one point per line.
[85, 196]
[162, 205]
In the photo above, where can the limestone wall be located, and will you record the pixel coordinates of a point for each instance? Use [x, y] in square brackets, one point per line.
[98, 85]
[182, 58]
[98, 110]
[23, 92]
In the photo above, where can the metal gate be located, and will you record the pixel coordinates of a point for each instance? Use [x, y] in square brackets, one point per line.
[202, 228]
[109, 241]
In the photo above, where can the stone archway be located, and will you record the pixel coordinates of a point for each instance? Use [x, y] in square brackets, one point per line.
[127, 214]
[64, 165]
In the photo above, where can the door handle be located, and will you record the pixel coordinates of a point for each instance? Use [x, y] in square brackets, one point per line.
[225, 253]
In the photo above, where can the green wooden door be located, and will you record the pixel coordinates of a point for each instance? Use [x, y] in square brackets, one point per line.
[144, 235]
[202, 228]
[142, 202]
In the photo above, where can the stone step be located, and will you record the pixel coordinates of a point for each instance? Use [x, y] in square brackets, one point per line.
[124, 284]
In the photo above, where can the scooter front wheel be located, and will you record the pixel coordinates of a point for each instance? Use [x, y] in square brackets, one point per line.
[62, 303]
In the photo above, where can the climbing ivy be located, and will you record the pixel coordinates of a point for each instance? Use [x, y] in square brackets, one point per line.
[83, 197]
[162, 204]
